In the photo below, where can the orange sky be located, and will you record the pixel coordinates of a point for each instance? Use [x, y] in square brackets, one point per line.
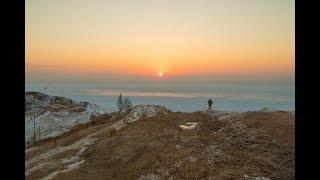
[178, 38]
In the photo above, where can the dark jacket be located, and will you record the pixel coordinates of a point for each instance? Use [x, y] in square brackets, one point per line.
[210, 102]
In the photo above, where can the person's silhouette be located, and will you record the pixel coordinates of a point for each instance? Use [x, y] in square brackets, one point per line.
[210, 102]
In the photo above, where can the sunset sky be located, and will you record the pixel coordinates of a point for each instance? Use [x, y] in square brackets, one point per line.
[79, 39]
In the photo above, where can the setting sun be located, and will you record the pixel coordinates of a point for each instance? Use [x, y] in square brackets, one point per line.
[160, 74]
[125, 78]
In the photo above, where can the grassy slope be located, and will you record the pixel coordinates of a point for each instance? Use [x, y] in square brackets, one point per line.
[255, 144]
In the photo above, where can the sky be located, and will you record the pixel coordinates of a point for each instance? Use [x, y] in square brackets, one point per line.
[189, 40]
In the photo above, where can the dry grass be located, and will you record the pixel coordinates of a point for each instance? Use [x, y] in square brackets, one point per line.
[111, 131]
[156, 147]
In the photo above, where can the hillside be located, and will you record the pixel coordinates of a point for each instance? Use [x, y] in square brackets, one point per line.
[54, 115]
[151, 142]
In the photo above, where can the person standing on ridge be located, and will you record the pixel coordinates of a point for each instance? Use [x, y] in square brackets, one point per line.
[210, 102]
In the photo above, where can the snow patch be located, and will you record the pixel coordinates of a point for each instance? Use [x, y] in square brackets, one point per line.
[255, 178]
[55, 115]
[267, 109]
[81, 145]
[141, 110]
[188, 126]
[49, 155]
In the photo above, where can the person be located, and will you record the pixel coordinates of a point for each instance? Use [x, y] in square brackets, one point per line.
[210, 102]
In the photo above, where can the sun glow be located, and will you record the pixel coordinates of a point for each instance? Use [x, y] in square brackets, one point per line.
[160, 74]
[164, 40]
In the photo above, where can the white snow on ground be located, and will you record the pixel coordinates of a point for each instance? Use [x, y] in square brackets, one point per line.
[255, 178]
[188, 126]
[145, 110]
[51, 162]
[52, 175]
[80, 145]
[93, 108]
[267, 109]
[55, 115]
[48, 158]
[69, 168]
[137, 112]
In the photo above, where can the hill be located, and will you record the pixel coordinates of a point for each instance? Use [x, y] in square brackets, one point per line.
[151, 142]
[53, 115]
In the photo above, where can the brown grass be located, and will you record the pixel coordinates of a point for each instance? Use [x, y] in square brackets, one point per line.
[157, 146]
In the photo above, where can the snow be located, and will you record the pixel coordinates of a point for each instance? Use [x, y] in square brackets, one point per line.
[48, 158]
[136, 113]
[256, 178]
[188, 126]
[140, 110]
[267, 109]
[75, 165]
[55, 115]
[52, 175]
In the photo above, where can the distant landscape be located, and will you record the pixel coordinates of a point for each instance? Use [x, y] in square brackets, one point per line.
[160, 89]
[184, 97]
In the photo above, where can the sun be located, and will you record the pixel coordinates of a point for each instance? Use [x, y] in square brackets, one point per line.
[160, 74]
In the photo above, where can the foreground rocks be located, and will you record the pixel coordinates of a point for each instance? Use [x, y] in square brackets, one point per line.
[150, 142]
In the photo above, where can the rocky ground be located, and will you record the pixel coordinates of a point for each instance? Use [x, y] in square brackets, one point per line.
[150, 142]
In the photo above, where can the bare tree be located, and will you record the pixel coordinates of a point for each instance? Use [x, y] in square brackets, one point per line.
[120, 102]
[35, 125]
[127, 103]
[123, 102]
[36, 112]
[45, 88]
